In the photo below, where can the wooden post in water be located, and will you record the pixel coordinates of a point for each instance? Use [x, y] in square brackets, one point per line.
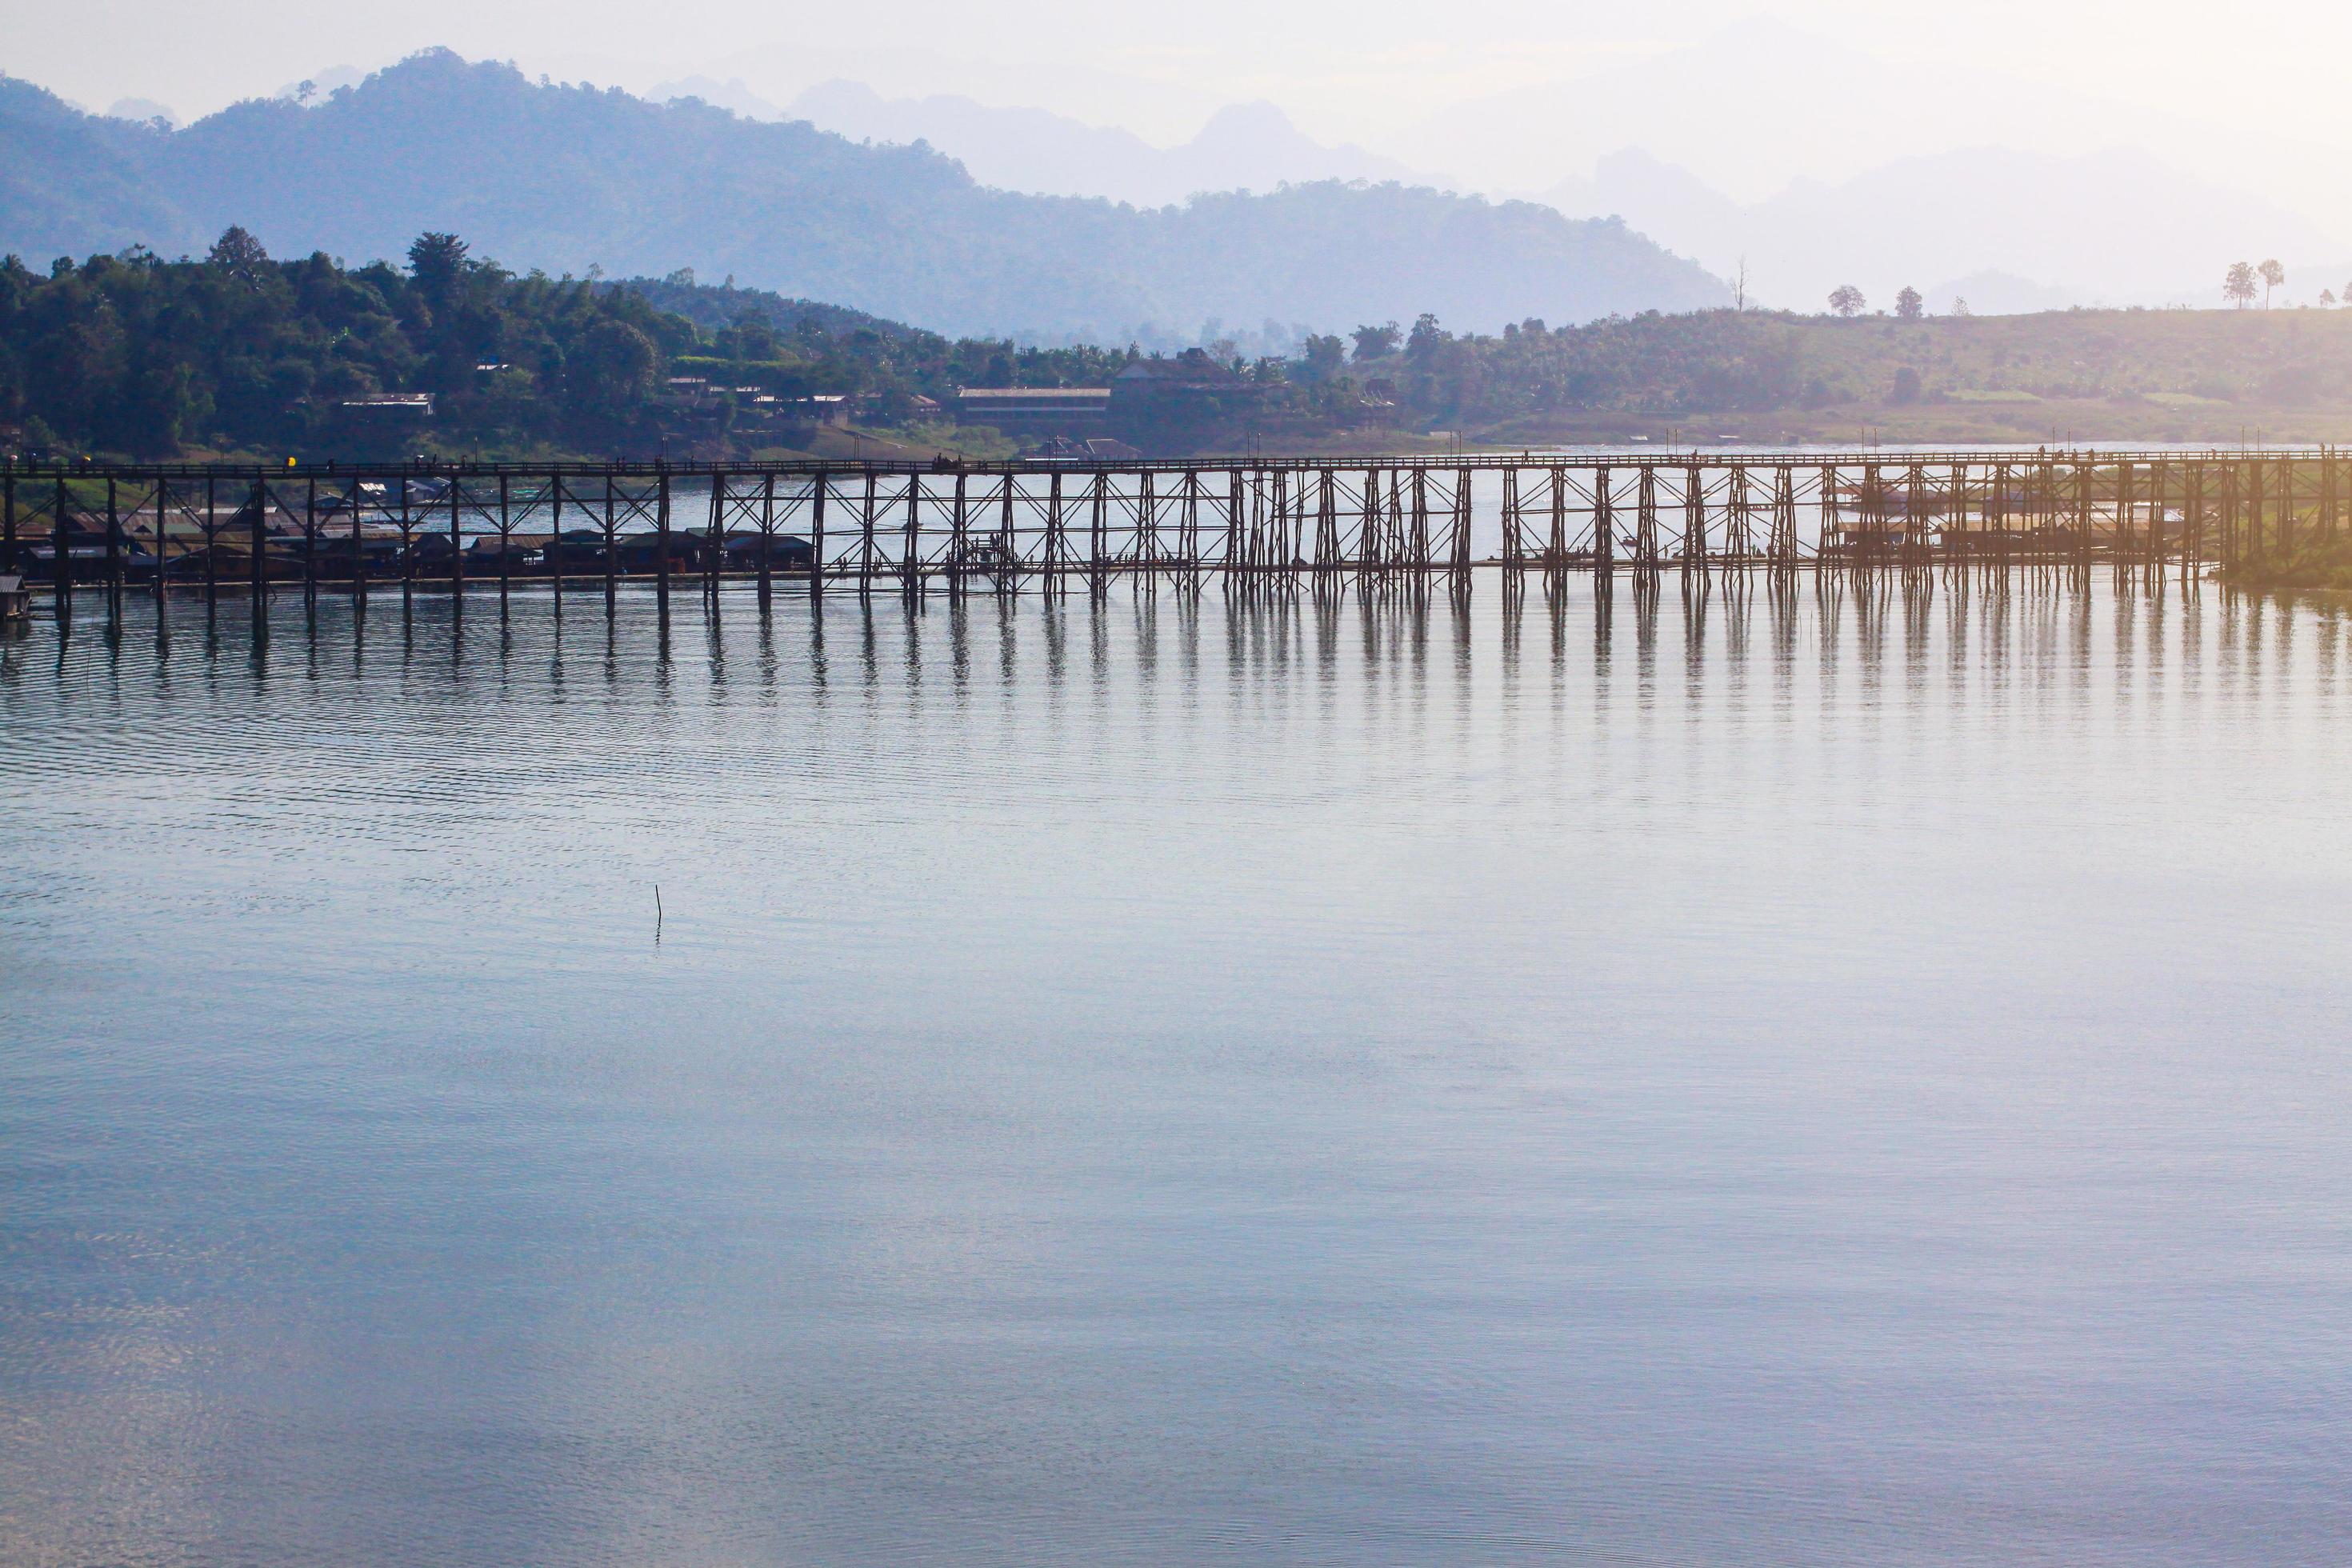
[1737, 517]
[1007, 548]
[2082, 518]
[866, 539]
[1461, 541]
[1914, 515]
[767, 531]
[2250, 518]
[611, 549]
[1556, 550]
[258, 535]
[456, 543]
[2227, 523]
[113, 554]
[1645, 519]
[407, 550]
[816, 534]
[2328, 495]
[1781, 547]
[661, 540]
[61, 555]
[1146, 550]
[1056, 546]
[715, 542]
[162, 511]
[1188, 525]
[1604, 527]
[1098, 521]
[2286, 509]
[8, 519]
[911, 561]
[2122, 549]
[1235, 496]
[2192, 526]
[1328, 554]
[212, 539]
[309, 542]
[555, 537]
[958, 535]
[1694, 518]
[1511, 552]
[506, 540]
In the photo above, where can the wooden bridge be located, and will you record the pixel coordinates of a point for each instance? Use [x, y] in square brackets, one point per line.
[1262, 522]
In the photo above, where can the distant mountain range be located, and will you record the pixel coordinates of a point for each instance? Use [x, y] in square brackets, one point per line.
[1243, 147]
[2036, 231]
[566, 177]
[1247, 146]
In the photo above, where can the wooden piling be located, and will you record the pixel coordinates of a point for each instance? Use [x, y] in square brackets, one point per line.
[1694, 557]
[816, 532]
[113, 554]
[60, 556]
[259, 539]
[555, 540]
[910, 562]
[767, 533]
[661, 540]
[162, 515]
[309, 543]
[1008, 558]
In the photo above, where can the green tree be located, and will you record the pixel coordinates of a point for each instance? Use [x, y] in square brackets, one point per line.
[1847, 300]
[2238, 284]
[437, 261]
[1377, 342]
[1908, 305]
[2274, 276]
[239, 253]
[1427, 338]
[1322, 357]
[613, 368]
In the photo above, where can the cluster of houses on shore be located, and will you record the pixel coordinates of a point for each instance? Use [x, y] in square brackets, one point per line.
[1148, 394]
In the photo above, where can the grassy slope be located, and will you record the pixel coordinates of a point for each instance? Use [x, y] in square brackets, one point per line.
[2189, 375]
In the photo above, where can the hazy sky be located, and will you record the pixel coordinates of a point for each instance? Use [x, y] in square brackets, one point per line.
[1343, 68]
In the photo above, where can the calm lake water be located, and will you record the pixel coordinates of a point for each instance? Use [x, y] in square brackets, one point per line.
[1860, 1079]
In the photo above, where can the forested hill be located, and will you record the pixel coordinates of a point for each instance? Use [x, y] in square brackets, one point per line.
[563, 178]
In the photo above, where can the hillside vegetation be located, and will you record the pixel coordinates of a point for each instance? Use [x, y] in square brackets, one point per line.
[2186, 374]
[241, 351]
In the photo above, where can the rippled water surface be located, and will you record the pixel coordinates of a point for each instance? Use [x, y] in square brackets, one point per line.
[1855, 1078]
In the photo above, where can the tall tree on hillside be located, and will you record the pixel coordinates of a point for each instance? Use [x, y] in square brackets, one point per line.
[2327, 296]
[1908, 305]
[239, 253]
[437, 261]
[1427, 338]
[1377, 342]
[1847, 300]
[2274, 276]
[2238, 284]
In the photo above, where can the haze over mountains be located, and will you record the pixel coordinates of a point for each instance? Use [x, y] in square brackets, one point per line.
[1815, 159]
[1243, 146]
[1810, 162]
[563, 178]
